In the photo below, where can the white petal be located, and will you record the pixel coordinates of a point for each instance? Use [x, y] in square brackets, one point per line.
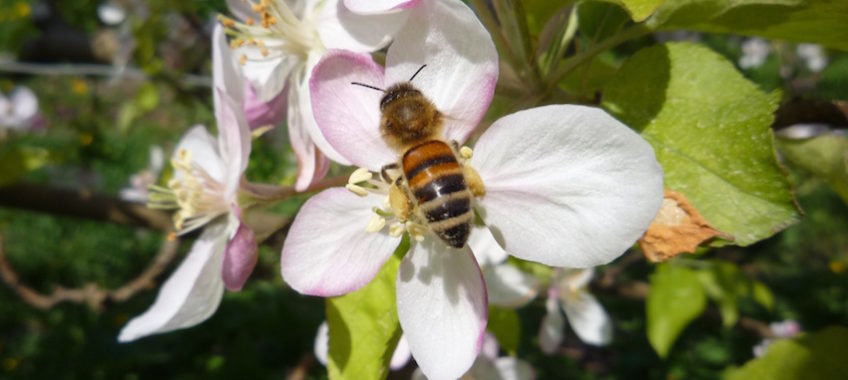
[575, 278]
[514, 369]
[204, 151]
[551, 329]
[349, 115]
[589, 319]
[322, 343]
[327, 251]
[340, 28]
[441, 303]
[111, 13]
[567, 185]
[24, 103]
[267, 75]
[225, 70]
[233, 141]
[486, 249]
[190, 295]
[462, 63]
[241, 9]
[378, 6]
[401, 355]
[508, 286]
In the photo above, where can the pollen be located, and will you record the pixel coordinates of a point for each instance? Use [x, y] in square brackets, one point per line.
[249, 21]
[242, 59]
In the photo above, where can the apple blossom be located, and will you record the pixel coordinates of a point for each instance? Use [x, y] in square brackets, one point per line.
[140, 182]
[278, 43]
[19, 110]
[204, 190]
[781, 330]
[565, 186]
[568, 292]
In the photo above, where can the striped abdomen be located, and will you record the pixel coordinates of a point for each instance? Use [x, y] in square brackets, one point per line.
[436, 181]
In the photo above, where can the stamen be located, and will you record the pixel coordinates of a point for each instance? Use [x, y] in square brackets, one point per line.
[466, 152]
[397, 229]
[375, 224]
[356, 189]
[360, 175]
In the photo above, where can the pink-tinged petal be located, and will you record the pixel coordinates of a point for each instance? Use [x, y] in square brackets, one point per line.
[567, 185]
[327, 251]
[508, 286]
[339, 28]
[311, 163]
[509, 368]
[486, 249]
[401, 355]
[322, 343]
[462, 63]
[259, 113]
[233, 141]
[490, 347]
[204, 151]
[300, 105]
[367, 7]
[442, 308]
[190, 295]
[349, 115]
[239, 257]
[552, 327]
[225, 71]
[588, 319]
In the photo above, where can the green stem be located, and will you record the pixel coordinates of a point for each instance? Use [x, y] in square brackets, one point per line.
[501, 44]
[586, 56]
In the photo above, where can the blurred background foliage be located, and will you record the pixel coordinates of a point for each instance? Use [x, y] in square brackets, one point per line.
[99, 130]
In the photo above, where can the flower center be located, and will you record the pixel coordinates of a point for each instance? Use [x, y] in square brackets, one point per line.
[276, 31]
[197, 197]
[398, 210]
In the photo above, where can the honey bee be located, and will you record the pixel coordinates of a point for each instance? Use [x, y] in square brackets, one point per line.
[433, 183]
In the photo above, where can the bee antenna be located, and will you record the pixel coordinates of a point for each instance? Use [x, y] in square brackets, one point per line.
[416, 73]
[368, 86]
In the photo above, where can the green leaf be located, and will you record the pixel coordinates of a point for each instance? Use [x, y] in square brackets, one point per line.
[639, 9]
[724, 283]
[710, 129]
[599, 20]
[761, 293]
[506, 326]
[18, 161]
[811, 357]
[676, 298]
[364, 327]
[819, 21]
[538, 12]
[823, 156]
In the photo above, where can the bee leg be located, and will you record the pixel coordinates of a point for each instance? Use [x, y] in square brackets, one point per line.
[384, 172]
[474, 182]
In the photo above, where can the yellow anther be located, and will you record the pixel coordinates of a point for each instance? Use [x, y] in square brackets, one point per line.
[466, 152]
[375, 224]
[360, 175]
[227, 22]
[358, 190]
[264, 52]
[242, 59]
[249, 21]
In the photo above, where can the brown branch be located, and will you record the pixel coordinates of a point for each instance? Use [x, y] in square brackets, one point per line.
[82, 204]
[307, 361]
[90, 294]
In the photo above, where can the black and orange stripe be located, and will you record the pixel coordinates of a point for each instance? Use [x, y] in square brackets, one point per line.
[436, 181]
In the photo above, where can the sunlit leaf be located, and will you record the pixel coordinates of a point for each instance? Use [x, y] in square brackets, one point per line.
[364, 327]
[812, 357]
[819, 21]
[710, 128]
[676, 298]
[640, 9]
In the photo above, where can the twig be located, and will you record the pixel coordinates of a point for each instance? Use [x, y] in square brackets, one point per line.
[130, 73]
[90, 294]
[307, 361]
